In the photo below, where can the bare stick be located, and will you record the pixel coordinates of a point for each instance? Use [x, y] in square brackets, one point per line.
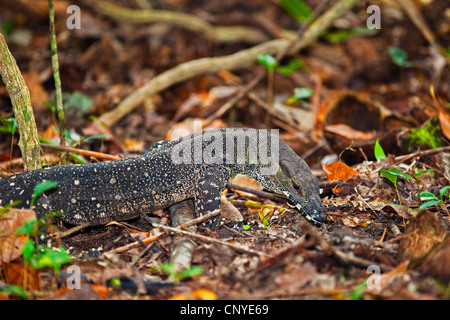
[234, 246]
[81, 151]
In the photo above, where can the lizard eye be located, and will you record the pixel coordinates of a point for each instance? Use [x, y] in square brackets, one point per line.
[296, 186]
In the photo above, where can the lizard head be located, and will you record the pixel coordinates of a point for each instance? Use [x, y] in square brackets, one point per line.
[295, 180]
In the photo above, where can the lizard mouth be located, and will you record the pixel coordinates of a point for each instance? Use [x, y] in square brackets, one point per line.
[315, 217]
[313, 213]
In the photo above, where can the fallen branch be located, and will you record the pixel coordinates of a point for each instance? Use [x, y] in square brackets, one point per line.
[188, 22]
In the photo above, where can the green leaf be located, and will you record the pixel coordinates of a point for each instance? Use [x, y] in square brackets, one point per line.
[378, 151]
[400, 57]
[428, 204]
[358, 291]
[267, 60]
[419, 173]
[246, 227]
[444, 191]
[297, 9]
[425, 196]
[192, 271]
[300, 94]
[293, 65]
[42, 187]
[12, 290]
[28, 249]
[50, 106]
[10, 125]
[27, 228]
[100, 136]
[49, 257]
[390, 175]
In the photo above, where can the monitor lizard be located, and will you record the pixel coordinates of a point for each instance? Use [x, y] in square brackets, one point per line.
[195, 167]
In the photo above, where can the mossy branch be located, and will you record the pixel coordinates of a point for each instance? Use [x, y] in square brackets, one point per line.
[23, 110]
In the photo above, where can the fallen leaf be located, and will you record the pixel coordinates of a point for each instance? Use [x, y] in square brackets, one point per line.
[350, 133]
[38, 94]
[422, 234]
[10, 242]
[338, 171]
[444, 120]
[133, 145]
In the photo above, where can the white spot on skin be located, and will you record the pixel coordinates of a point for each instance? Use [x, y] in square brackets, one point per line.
[76, 182]
[12, 184]
[77, 216]
[73, 200]
[98, 205]
[112, 181]
[118, 197]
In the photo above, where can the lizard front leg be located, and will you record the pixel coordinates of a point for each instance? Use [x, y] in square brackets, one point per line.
[209, 187]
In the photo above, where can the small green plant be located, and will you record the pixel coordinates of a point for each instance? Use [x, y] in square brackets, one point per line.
[12, 290]
[176, 275]
[392, 175]
[429, 199]
[400, 57]
[299, 95]
[358, 291]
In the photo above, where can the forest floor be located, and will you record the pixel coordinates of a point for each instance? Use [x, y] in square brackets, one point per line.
[332, 101]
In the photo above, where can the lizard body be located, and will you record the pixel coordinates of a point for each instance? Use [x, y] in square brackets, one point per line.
[197, 166]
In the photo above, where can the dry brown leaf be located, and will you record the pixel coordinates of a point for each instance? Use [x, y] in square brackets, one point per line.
[422, 234]
[133, 145]
[350, 133]
[189, 126]
[10, 242]
[444, 120]
[38, 94]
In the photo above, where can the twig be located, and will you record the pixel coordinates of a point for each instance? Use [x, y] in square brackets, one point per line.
[234, 61]
[67, 233]
[234, 246]
[81, 151]
[188, 22]
[259, 193]
[56, 77]
[136, 244]
[23, 111]
[421, 154]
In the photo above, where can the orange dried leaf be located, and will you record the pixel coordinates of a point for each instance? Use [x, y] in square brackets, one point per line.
[338, 171]
[444, 120]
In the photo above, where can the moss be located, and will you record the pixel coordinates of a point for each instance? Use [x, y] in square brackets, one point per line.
[426, 136]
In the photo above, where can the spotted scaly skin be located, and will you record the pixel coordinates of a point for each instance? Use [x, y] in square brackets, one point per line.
[119, 190]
